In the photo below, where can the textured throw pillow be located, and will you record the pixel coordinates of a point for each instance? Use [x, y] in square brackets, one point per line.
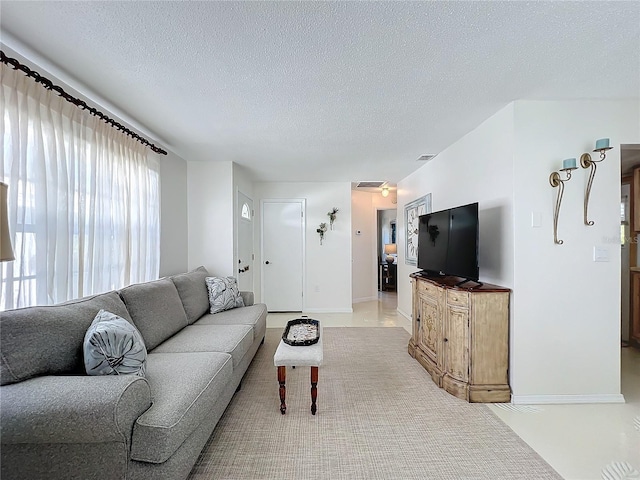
[223, 294]
[113, 346]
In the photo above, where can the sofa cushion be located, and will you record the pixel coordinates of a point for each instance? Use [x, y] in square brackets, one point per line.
[113, 346]
[255, 315]
[72, 409]
[184, 389]
[247, 298]
[156, 310]
[48, 340]
[223, 294]
[193, 293]
[235, 340]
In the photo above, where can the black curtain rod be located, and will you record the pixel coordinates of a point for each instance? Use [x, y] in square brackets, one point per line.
[49, 85]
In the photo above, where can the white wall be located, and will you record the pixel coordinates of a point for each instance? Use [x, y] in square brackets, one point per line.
[565, 325]
[363, 247]
[363, 268]
[211, 195]
[365, 206]
[173, 215]
[243, 183]
[328, 266]
[212, 192]
[565, 308]
[477, 168]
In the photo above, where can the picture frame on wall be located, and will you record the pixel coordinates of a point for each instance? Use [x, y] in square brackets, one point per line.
[412, 211]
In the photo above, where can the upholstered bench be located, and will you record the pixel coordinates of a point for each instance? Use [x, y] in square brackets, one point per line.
[298, 356]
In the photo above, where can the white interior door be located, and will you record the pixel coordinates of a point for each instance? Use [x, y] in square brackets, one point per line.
[245, 243]
[282, 254]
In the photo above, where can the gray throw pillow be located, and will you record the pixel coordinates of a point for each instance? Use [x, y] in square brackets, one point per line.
[113, 346]
[223, 294]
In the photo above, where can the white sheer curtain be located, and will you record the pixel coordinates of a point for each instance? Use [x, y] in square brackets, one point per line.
[84, 200]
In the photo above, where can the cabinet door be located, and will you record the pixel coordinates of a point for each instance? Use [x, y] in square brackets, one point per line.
[415, 313]
[636, 200]
[456, 343]
[429, 326]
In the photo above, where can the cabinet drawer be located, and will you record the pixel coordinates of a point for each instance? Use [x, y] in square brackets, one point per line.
[456, 297]
[428, 288]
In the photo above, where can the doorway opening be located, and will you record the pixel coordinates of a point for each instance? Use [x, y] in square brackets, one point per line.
[630, 269]
[387, 252]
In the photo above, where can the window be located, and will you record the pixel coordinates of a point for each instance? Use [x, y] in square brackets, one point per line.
[245, 212]
[83, 199]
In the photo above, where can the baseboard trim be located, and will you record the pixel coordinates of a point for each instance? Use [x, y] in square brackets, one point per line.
[405, 315]
[566, 399]
[364, 299]
[328, 310]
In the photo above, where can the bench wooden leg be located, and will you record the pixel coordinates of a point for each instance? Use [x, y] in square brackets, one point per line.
[314, 389]
[282, 375]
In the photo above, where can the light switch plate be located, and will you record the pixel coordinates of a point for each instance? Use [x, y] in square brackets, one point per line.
[536, 219]
[600, 254]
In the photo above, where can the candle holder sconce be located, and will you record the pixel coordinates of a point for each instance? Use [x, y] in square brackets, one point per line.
[556, 181]
[586, 161]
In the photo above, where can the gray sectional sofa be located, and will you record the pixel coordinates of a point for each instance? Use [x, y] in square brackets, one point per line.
[59, 423]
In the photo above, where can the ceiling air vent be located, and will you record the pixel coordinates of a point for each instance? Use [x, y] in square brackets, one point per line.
[426, 157]
[370, 184]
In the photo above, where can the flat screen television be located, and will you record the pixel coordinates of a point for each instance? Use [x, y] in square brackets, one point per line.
[448, 242]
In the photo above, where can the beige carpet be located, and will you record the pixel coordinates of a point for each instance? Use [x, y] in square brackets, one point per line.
[379, 417]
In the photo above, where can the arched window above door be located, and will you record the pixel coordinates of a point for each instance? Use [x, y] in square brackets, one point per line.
[245, 212]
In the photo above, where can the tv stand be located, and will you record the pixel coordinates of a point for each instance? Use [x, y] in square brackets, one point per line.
[461, 337]
[429, 274]
[469, 280]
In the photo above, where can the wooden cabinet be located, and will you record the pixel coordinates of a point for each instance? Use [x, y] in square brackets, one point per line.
[635, 208]
[387, 274]
[461, 337]
[634, 330]
[429, 340]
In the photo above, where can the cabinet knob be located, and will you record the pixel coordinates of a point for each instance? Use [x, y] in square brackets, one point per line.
[446, 339]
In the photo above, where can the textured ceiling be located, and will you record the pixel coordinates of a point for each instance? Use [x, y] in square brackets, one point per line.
[328, 91]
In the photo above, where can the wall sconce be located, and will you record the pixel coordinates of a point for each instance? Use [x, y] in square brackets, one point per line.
[385, 192]
[6, 252]
[586, 161]
[568, 166]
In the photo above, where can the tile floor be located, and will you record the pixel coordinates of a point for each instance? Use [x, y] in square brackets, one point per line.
[582, 442]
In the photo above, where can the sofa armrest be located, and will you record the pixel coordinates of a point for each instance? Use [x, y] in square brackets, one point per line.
[247, 297]
[72, 409]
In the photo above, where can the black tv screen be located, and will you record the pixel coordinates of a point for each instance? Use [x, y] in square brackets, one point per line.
[448, 242]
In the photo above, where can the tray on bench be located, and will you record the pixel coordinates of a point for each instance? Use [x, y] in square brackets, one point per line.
[301, 332]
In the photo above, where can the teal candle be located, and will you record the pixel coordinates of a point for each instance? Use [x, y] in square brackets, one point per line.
[569, 163]
[602, 143]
